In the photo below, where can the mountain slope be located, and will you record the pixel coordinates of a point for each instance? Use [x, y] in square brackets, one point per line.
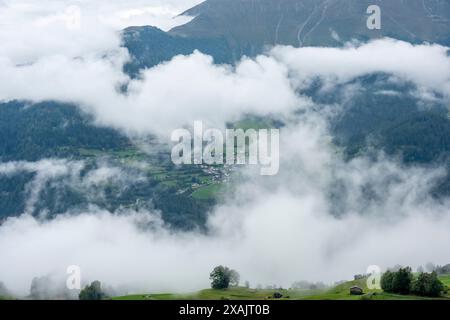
[150, 46]
[250, 25]
[230, 29]
[64, 137]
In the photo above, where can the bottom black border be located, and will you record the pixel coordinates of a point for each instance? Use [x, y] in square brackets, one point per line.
[236, 309]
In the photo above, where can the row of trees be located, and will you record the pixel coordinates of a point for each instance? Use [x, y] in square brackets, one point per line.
[438, 269]
[403, 282]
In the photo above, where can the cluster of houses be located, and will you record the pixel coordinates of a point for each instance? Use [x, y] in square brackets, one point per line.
[219, 174]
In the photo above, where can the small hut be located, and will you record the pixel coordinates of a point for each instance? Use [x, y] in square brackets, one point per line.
[356, 291]
[277, 295]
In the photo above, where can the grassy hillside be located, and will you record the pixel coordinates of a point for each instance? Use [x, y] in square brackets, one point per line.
[445, 280]
[339, 292]
[229, 294]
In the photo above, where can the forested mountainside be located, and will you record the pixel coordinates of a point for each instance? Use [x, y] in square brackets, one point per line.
[230, 29]
[150, 46]
[381, 115]
[92, 166]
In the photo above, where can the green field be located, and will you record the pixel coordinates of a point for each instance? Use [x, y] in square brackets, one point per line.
[229, 294]
[339, 292]
[445, 279]
[207, 192]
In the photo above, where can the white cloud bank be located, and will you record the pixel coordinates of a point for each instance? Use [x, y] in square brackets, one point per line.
[425, 65]
[30, 29]
[191, 88]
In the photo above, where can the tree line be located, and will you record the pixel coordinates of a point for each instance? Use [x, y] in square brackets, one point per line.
[404, 282]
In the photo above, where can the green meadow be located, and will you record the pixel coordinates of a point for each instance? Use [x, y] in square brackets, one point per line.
[338, 292]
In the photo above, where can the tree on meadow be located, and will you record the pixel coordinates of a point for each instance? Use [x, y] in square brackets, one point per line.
[222, 277]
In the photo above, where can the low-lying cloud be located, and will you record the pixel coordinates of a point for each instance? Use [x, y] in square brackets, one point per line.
[76, 175]
[426, 65]
[189, 88]
[273, 231]
[73, 28]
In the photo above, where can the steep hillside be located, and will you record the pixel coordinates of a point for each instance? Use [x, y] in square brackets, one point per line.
[229, 29]
[249, 25]
[150, 46]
